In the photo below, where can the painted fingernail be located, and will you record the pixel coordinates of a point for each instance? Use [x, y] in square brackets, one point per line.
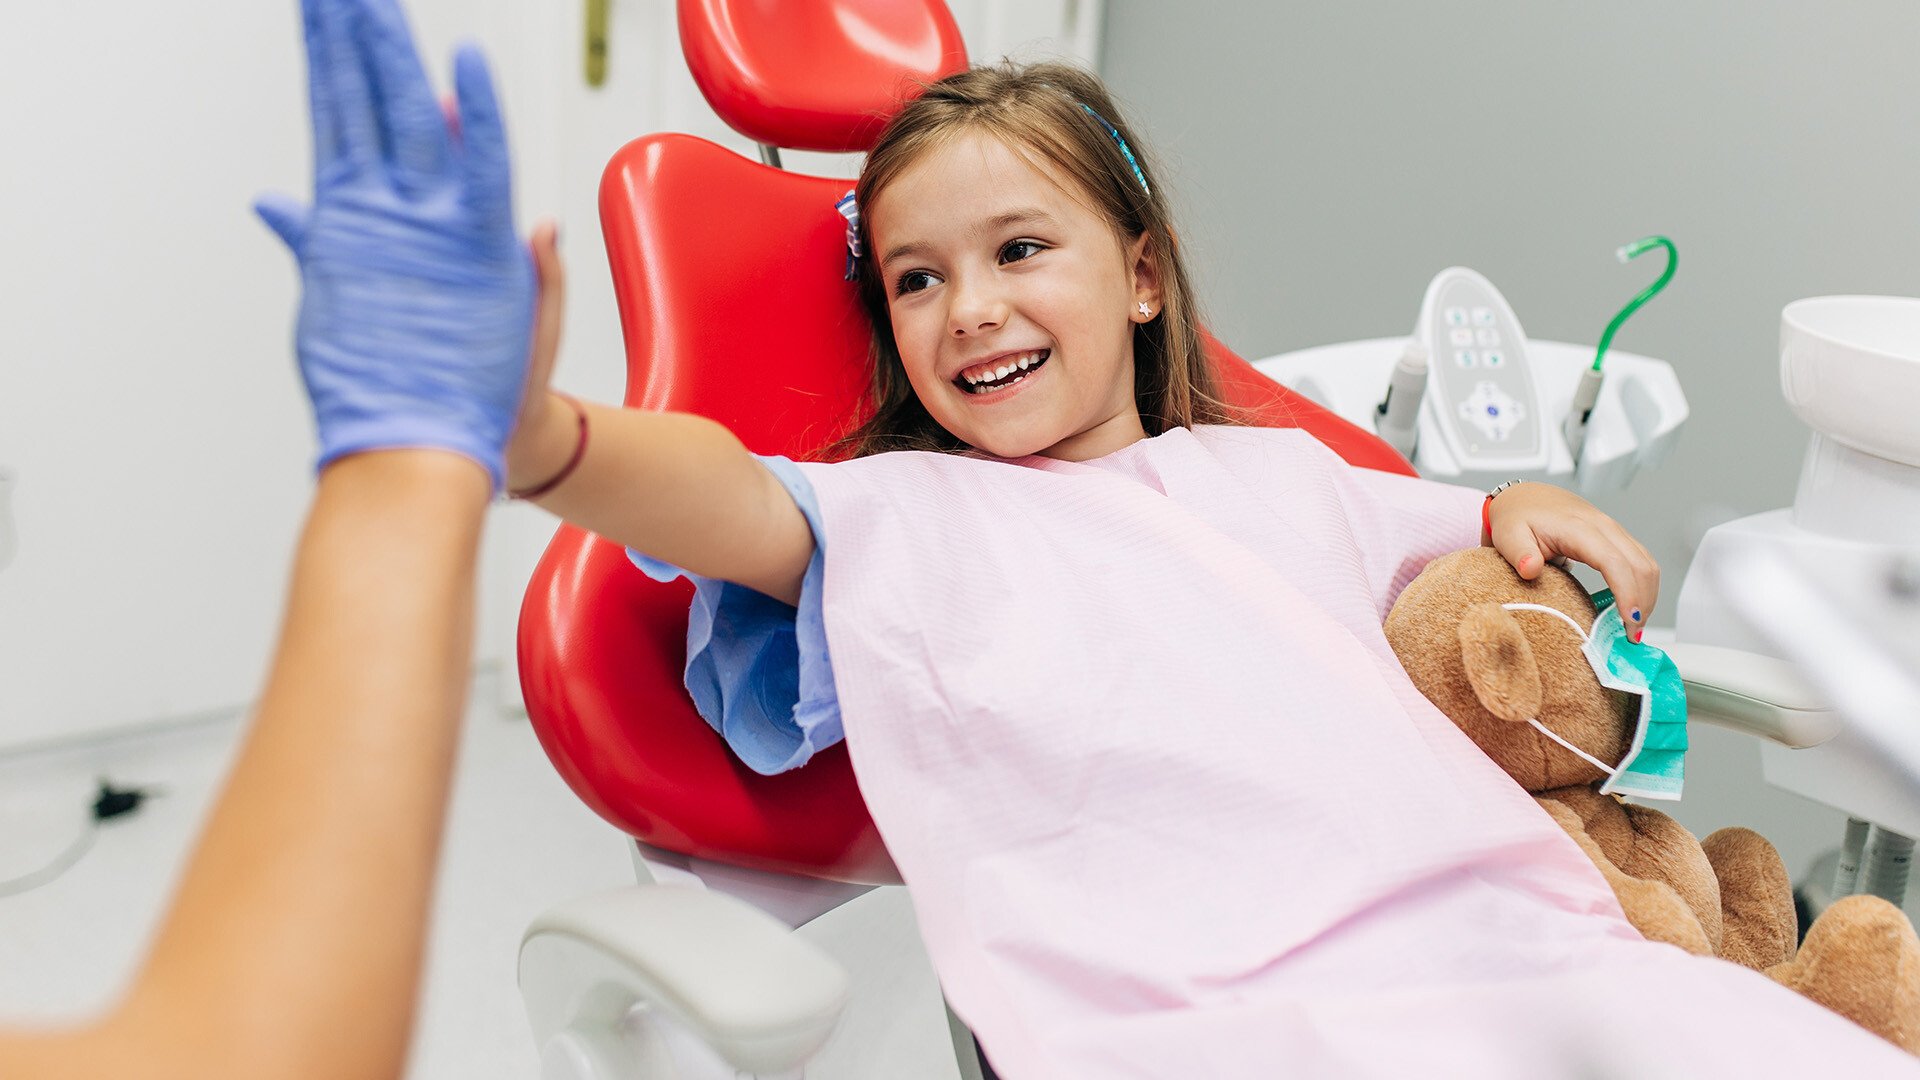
[1636, 614]
[1636, 637]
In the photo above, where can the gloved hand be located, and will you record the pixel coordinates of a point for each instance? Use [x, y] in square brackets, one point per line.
[417, 295]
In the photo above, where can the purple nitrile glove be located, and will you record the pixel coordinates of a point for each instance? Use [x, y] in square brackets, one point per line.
[417, 295]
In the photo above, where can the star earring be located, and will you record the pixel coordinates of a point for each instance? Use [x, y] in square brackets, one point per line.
[1145, 311]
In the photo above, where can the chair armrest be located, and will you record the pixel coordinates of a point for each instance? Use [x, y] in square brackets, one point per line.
[1755, 694]
[733, 977]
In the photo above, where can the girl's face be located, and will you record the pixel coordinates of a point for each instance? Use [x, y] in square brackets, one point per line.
[990, 263]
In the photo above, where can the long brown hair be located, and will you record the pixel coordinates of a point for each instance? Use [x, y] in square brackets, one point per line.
[1036, 109]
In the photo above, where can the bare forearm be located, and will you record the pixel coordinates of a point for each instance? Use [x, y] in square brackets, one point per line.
[294, 943]
[678, 487]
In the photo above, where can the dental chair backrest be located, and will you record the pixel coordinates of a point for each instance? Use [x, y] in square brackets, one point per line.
[729, 280]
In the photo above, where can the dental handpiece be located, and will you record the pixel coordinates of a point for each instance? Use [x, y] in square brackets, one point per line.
[1584, 396]
[1397, 418]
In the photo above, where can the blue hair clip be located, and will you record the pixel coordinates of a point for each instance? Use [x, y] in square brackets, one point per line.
[1124, 148]
[851, 211]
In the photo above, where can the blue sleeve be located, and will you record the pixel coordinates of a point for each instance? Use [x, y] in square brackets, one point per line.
[758, 669]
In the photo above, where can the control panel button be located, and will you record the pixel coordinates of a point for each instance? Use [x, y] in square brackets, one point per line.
[1460, 335]
[1492, 411]
[1488, 337]
[1493, 358]
[1456, 316]
[1483, 316]
[1464, 358]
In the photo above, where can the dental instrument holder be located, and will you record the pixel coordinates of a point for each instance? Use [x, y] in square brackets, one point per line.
[1580, 413]
[1821, 583]
[1398, 416]
[1635, 416]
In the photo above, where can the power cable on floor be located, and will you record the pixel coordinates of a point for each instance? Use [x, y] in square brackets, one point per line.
[109, 802]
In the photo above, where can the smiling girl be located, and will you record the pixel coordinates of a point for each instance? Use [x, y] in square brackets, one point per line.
[1110, 668]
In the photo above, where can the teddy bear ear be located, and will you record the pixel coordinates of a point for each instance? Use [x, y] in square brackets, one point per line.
[1499, 663]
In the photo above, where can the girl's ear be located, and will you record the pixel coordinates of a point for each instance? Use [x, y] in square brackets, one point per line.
[1146, 277]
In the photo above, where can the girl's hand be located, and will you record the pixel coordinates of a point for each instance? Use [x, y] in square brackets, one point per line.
[1534, 523]
[544, 430]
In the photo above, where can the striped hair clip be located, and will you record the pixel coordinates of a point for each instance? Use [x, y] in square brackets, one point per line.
[851, 211]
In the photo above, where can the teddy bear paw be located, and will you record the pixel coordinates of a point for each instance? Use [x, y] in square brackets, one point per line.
[1861, 959]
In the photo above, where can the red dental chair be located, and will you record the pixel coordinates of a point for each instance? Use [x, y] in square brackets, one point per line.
[729, 279]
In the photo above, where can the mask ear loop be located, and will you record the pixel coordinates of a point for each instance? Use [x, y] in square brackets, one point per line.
[1555, 612]
[1534, 722]
[1584, 756]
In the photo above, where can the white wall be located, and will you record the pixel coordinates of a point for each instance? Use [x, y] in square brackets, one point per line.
[148, 398]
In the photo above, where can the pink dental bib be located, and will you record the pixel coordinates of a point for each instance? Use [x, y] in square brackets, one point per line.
[1168, 807]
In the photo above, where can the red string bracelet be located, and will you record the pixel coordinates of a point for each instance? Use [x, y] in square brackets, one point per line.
[579, 452]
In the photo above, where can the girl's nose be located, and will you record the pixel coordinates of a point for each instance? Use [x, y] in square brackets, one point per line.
[976, 310]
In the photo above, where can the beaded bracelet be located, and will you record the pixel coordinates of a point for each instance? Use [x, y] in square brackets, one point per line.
[1486, 510]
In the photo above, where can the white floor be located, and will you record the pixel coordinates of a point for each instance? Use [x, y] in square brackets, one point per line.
[518, 841]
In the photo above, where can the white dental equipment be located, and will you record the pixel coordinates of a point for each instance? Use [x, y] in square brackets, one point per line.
[1850, 369]
[1468, 399]
[1830, 582]
[1858, 667]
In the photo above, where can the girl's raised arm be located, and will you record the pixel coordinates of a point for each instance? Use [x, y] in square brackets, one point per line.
[678, 487]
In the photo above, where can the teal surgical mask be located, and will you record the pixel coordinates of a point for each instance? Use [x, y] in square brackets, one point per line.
[1655, 763]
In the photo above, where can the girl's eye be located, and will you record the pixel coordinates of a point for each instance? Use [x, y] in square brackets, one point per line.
[1019, 249]
[912, 281]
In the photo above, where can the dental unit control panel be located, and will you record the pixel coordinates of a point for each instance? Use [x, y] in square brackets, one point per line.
[1468, 399]
[1480, 391]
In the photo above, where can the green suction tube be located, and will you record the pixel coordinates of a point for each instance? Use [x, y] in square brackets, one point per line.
[1634, 251]
[1587, 393]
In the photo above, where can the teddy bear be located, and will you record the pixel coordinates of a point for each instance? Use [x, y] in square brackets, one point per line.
[1490, 672]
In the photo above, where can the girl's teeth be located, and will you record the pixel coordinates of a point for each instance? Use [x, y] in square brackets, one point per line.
[978, 383]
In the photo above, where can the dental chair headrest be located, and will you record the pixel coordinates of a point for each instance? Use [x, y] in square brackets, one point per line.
[823, 75]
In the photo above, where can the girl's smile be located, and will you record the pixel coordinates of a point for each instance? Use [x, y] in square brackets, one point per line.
[995, 379]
